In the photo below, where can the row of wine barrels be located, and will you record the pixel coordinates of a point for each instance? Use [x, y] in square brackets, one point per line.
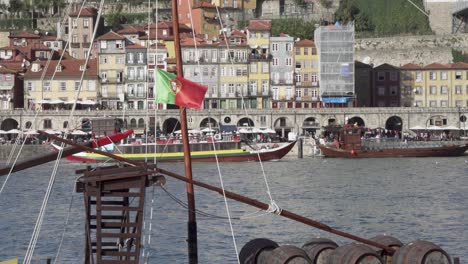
[325, 251]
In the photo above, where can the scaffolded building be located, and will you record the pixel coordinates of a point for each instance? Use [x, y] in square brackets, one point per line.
[335, 45]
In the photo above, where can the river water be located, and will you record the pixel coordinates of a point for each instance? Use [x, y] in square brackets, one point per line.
[408, 198]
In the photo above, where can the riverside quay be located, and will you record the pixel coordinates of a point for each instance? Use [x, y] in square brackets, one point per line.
[283, 121]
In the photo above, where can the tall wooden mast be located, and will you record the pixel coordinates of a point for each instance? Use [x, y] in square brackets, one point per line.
[192, 223]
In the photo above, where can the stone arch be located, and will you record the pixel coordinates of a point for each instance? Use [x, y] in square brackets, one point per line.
[282, 126]
[170, 125]
[394, 123]
[9, 124]
[141, 123]
[356, 120]
[310, 125]
[245, 121]
[28, 125]
[120, 124]
[65, 125]
[330, 120]
[133, 123]
[86, 124]
[208, 122]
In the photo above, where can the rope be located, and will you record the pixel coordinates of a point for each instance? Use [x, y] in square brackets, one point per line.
[40, 218]
[57, 256]
[214, 145]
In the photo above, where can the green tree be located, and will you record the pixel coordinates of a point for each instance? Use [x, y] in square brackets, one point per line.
[457, 56]
[115, 20]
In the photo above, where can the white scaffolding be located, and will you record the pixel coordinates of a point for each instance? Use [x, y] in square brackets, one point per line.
[335, 45]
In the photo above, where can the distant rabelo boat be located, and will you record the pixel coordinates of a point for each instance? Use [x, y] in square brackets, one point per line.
[350, 145]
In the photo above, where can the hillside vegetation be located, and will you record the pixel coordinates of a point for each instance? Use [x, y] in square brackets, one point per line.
[384, 17]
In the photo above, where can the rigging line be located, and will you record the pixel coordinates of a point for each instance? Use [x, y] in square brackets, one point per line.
[185, 205]
[150, 229]
[39, 221]
[214, 145]
[57, 256]
[36, 114]
[244, 108]
[154, 78]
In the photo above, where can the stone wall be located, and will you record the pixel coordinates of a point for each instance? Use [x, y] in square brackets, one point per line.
[410, 49]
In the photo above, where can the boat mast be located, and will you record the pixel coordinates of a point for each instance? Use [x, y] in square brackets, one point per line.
[192, 223]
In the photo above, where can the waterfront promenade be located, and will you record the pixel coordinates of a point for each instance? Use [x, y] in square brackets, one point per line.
[281, 120]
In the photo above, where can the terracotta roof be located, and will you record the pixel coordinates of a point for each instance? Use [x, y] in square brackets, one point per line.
[86, 12]
[135, 46]
[436, 66]
[12, 65]
[191, 42]
[5, 69]
[411, 66]
[8, 48]
[71, 68]
[111, 35]
[24, 35]
[459, 65]
[305, 43]
[49, 38]
[238, 33]
[38, 46]
[131, 30]
[259, 25]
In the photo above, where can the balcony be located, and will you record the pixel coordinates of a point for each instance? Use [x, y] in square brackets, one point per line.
[307, 84]
[281, 82]
[75, 45]
[260, 57]
[86, 44]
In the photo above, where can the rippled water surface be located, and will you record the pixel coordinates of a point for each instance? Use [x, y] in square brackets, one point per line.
[408, 198]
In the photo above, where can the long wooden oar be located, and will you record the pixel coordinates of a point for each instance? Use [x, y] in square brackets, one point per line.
[234, 196]
[35, 161]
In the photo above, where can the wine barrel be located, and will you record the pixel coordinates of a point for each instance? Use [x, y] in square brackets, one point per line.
[285, 255]
[421, 252]
[354, 254]
[388, 241]
[251, 251]
[318, 249]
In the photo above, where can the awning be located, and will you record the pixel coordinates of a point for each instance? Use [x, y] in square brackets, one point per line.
[228, 128]
[335, 100]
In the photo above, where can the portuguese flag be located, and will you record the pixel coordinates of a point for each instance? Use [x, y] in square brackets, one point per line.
[172, 89]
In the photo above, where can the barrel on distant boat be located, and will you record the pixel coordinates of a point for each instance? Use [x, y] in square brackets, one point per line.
[251, 251]
[318, 249]
[388, 241]
[354, 254]
[286, 255]
[421, 252]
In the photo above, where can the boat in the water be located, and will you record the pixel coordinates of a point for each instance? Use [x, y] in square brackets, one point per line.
[200, 152]
[351, 145]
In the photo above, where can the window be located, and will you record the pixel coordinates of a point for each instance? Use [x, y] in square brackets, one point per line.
[443, 75]
[381, 90]
[253, 67]
[275, 62]
[306, 77]
[298, 65]
[265, 68]
[264, 87]
[46, 86]
[30, 86]
[86, 23]
[433, 89]
[103, 44]
[298, 78]
[119, 60]
[47, 124]
[63, 86]
[458, 103]
[103, 60]
[298, 93]
[253, 87]
[104, 76]
[231, 88]
[298, 51]
[130, 57]
[74, 23]
[381, 76]
[288, 47]
[140, 57]
[393, 76]
[418, 76]
[118, 44]
[458, 75]
[274, 47]
[407, 75]
[432, 76]
[433, 103]
[393, 90]
[288, 61]
[443, 89]
[458, 89]
[418, 90]
[306, 51]
[91, 86]
[444, 103]
[77, 86]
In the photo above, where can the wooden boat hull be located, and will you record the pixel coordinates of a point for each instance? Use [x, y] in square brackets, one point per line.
[232, 155]
[441, 151]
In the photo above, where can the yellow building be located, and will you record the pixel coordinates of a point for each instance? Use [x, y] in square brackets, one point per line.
[306, 74]
[57, 87]
[435, 85]
[258, 39]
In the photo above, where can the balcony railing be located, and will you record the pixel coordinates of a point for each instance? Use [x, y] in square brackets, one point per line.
[307, 84]
[260, 57]
[282, 81]
[75, 45]
[86, 44]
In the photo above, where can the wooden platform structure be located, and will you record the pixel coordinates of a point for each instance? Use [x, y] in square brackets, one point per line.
[114, 202]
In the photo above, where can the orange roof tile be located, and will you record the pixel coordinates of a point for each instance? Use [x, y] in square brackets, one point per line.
[24, 35]
[259, 25]
[305, 43]
[86, 12]
[411, 66]
[135, 46]
[4, 69]
[71, 68]
[111, 35]
[130, 30]
[436, 66]
[459, 65]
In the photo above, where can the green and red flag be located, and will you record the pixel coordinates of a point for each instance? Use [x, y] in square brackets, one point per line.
[172, 89]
